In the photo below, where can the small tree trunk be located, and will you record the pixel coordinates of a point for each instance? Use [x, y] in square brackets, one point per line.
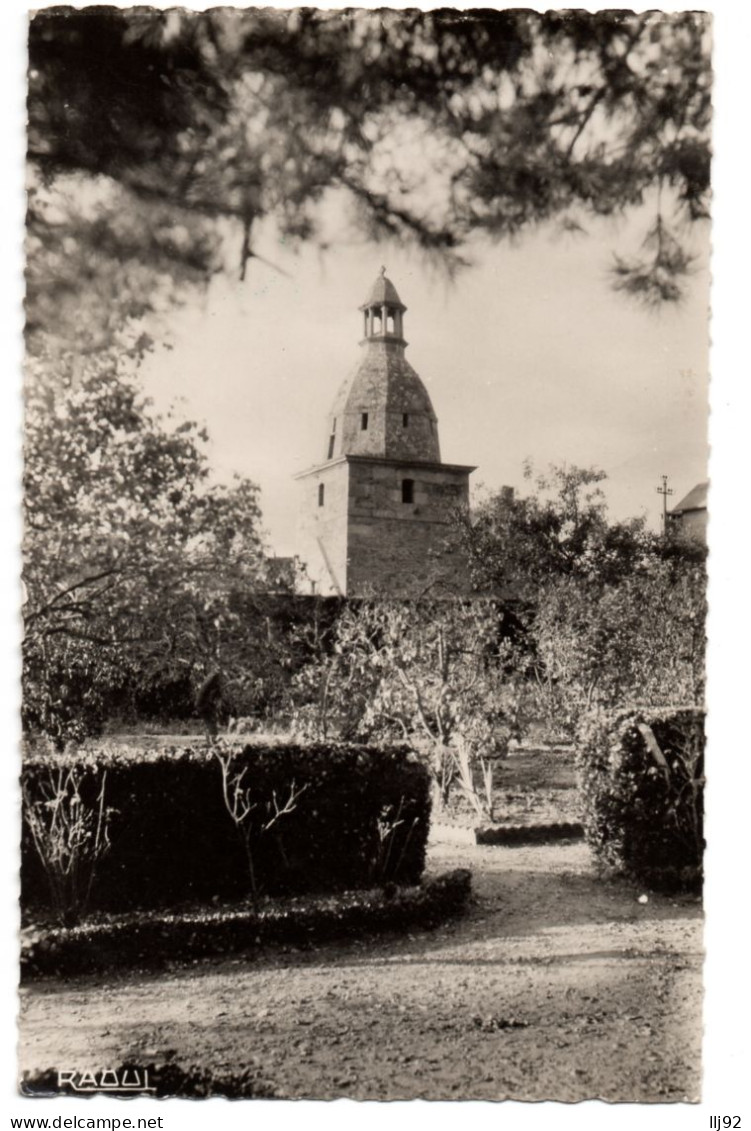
[251, 871]
[442, 782]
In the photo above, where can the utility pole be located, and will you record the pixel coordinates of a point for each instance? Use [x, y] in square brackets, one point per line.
[664, 490]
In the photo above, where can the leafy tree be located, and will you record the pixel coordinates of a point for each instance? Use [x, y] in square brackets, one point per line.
[131, 555]
[612, 613]
[96, 266]
[517, 544]
[151, 133]
[442, 675]
[639, 642]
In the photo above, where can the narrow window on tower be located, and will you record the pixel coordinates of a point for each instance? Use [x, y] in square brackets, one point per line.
[405, 420]
[363, 422]
[332, 441]
[408, 490]
[320, 494]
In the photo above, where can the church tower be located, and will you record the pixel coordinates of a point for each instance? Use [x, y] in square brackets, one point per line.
[376, 511]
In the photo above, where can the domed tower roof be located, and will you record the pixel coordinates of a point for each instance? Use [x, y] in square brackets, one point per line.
[383, 290]
[383, 409]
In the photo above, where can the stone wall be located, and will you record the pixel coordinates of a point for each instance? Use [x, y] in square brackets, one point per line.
[365, 540]
[400, 549]
[322, 530]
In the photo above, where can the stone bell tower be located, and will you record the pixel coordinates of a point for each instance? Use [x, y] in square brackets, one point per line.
[376, 513]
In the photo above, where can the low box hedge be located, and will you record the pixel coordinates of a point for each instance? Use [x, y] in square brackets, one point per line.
[152, 939]
[641, 774]
[529, 834]
[361, 817]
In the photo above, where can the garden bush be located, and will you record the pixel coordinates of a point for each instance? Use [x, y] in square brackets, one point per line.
[152, 940]
[360, 818]
[641, 773]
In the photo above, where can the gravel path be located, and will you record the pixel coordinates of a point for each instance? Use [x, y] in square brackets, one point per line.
[556, 986]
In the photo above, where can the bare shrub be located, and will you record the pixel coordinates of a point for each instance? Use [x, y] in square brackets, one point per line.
[252, 818]
[70, 838]
[482, 801]
[388, 862]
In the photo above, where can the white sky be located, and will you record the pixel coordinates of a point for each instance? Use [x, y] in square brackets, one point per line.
[528, 353]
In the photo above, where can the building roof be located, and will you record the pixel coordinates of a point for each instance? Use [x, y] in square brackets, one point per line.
[384, 386]
[383, 290]
[383, 409]
[695, 500]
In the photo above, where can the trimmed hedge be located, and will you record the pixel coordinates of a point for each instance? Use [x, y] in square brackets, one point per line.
[173, 841]
[153, 940]
[529, 834]
[641, 773]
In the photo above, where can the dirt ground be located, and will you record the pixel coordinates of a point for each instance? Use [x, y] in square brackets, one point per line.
[555, 986]
[531, 787]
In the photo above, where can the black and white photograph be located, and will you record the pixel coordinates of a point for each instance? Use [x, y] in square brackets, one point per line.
[366, 516]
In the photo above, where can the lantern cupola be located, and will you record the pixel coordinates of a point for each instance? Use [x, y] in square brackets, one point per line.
[383, 312]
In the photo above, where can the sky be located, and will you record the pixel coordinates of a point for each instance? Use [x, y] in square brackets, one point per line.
[528, 353]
